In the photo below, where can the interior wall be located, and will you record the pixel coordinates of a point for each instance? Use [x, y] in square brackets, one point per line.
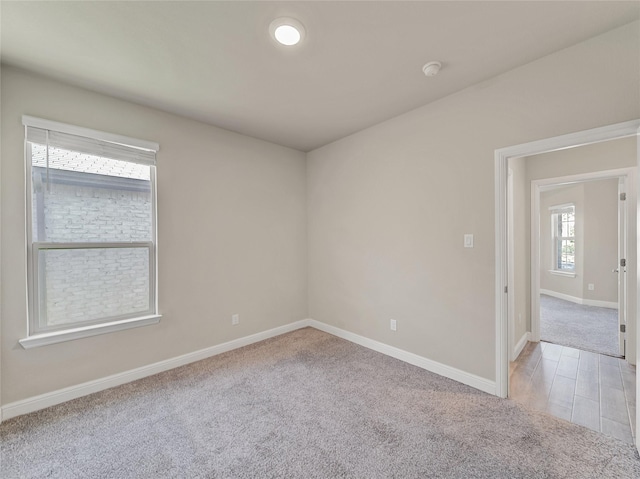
[521, 245]
[231, 237]
[388, 206]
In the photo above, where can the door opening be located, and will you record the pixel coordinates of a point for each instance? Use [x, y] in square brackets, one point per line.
[578, 237]
[502, 156]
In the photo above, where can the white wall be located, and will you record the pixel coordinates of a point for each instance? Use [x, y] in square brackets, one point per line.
[231, 237]
[388, 206]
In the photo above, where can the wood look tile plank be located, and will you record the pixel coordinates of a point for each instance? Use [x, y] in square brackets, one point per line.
[571, 352]
[632, 418]
[610, 377]
[610, 360]
[586, 412]
[613, 405]
[529, 362]
[618, 430]
[562, 391]
[557, 410]
[552, 351]
[545, 372]
[593, 390]
[588, 361]
[567, 367]
[588, 384]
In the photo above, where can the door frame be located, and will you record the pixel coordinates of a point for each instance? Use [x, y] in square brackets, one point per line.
[501, 159]
[629, 177]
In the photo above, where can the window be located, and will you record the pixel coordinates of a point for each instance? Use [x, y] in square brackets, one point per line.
[91, 207]
[563, 224]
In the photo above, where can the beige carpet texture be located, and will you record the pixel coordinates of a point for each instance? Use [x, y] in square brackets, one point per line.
[303, 405]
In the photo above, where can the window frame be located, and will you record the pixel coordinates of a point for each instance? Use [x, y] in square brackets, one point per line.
[556, 240]
[39, 335]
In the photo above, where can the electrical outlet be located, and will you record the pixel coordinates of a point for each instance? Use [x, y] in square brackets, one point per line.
[591, 286]
[393, 325]
[235, 319]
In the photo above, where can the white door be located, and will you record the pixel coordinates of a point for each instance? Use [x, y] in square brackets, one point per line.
[620, 268]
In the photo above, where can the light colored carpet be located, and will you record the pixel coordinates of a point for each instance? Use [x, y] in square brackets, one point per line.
[303, 405]
[582, 327]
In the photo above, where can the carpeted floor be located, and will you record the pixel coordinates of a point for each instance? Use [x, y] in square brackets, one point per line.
[303, 405]
[582, 327]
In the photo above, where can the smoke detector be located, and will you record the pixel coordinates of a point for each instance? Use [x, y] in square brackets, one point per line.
[431, 69]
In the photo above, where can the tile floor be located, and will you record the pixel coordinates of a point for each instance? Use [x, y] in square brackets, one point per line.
[590, 389]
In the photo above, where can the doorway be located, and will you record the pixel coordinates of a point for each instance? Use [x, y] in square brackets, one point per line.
[578, 243]
[506, 338]
[572, 370]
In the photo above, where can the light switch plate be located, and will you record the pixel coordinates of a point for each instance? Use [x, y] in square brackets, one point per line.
[468, 241]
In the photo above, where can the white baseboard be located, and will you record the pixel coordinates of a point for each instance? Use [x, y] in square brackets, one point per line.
[517, 349]
[583, 301]
[42, 401]
[464, 377]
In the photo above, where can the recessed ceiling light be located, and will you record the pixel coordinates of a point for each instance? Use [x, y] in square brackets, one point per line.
[287, 31]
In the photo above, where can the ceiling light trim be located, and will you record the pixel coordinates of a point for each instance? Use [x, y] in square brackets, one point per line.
[288, 37]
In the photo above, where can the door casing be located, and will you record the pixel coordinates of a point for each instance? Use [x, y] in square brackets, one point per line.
[501, 159]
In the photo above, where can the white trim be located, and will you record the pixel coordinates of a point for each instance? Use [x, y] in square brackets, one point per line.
[44, 339]
[501, 158]
[520, 345]
[583, 301]
[42, 401]
[89, 133]
[463, 377]
[501, 166]
[511, 273]
[559, 272]
[560, 208]
[636, 184]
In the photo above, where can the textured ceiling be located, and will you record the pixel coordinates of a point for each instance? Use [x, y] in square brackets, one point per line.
[360, 63]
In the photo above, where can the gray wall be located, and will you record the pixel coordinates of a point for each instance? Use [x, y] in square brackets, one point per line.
[388, 206]
[231, 237]
[374, 222]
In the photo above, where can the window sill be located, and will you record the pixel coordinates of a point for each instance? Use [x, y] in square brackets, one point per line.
[567, 274]
[45, 339]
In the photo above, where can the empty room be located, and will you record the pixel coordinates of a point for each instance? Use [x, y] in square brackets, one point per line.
[318, 239]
